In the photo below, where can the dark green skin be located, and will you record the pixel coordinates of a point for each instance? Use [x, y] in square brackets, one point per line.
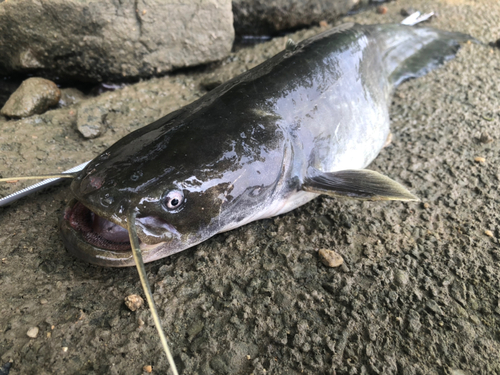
[241, 152]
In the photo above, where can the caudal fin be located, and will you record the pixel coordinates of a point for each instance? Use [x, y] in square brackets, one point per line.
[414, 51]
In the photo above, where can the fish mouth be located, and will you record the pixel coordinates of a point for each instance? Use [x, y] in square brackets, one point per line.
[96, 230]
[96, 240]
[99, 241]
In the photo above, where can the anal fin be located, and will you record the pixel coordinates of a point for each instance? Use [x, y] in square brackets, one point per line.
[357, 184]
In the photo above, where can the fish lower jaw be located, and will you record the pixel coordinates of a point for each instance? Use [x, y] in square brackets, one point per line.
[77, 246]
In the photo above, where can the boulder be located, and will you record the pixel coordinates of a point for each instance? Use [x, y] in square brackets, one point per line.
[96, 40]
[267, 17]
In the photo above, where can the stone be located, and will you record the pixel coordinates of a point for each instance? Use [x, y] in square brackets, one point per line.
[265, 17]
[401, 277]
[32, 332]
[99, 40]
[330, 258]
[134, 302]
[381, 9]
[90, 120]
[34, 96]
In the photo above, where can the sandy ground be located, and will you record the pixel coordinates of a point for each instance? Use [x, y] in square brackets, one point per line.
[419, 292]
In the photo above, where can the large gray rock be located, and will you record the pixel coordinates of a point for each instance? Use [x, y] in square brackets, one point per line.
[97, 40]
[264, 17]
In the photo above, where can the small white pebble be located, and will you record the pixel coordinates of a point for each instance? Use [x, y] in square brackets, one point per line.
[33, 332]
[489, 233]
[64, 349]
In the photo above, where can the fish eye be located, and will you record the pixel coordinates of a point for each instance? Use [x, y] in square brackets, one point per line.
[173, 200]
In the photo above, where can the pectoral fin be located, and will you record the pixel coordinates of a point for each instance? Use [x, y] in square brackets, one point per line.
[358, 184]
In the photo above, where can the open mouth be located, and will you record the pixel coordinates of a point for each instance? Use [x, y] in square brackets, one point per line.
[96, 230]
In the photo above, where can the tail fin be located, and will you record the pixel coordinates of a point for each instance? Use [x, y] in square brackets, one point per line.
[414, 51]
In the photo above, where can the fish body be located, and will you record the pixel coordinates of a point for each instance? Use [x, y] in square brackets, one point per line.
[303, 123]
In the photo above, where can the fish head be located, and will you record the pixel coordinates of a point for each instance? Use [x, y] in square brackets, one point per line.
[183, 187]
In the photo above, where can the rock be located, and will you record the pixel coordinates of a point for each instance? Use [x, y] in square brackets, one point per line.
[330, 258]
[480, 159]
[401, 277]
[134, 302]
[70, 96]
[105, 40]
[90, 120]
[34, 96]
[32, 332]
[485, 138]
[263, 17]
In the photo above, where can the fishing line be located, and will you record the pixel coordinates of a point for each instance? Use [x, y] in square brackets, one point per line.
[136, 252]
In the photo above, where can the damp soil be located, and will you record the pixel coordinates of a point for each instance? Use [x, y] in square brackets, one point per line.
[419, 290]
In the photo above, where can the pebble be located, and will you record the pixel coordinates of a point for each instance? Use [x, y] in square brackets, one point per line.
[401, 277]
[489, 233]
[34, 96]
[381, 9]
[90, 120]
[33, 332]
[485, 138]
[134, 302]
[148, 368]
[330, 258]
[479, 159]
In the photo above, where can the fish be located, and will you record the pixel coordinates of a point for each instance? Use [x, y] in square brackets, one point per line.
[306, 122]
